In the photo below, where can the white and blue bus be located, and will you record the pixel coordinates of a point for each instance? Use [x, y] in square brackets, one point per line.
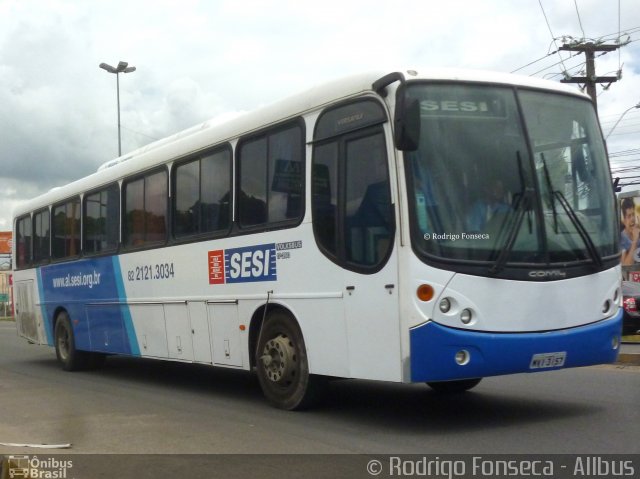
[436, 226]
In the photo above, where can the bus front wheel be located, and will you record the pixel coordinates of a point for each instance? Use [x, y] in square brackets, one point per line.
[282, 365]
[453, 387]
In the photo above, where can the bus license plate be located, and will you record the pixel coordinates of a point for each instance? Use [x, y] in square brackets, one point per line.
[548, 360]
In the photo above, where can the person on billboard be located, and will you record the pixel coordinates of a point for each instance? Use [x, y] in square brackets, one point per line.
[630, 234]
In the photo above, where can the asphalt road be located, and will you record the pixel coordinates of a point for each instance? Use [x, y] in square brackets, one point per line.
[140, 406]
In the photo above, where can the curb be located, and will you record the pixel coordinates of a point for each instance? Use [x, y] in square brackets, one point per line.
[628, 359]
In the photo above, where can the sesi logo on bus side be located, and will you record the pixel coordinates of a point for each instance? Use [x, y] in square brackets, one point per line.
[243, 265]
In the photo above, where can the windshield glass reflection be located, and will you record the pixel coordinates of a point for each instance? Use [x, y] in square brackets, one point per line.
[478, 194]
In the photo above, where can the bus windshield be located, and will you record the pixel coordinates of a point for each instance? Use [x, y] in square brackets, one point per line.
[504, 176]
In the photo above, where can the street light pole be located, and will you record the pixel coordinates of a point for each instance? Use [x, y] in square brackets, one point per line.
[623, 114]
[123, 67]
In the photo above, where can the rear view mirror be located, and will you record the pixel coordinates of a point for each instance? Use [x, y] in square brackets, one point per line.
[407, 122]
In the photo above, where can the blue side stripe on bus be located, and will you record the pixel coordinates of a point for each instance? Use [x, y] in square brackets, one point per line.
[126, 312]
[45, 317]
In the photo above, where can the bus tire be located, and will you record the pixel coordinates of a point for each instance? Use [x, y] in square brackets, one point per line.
[282, 365]
[454, 387]
[69, 357]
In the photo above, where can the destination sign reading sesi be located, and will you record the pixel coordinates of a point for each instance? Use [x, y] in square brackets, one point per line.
[479, 108]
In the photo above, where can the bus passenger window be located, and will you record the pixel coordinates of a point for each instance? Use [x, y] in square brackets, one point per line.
[145, 202]
[187, 201]
[23, 242]
[215, 191]
[252, 202]
[101, 215]
[65, 235]
[285, 175]
[134, 213]
[41, 236]
[272, 178]
[202, 195]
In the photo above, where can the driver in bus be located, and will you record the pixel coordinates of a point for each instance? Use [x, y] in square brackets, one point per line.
[484, 209]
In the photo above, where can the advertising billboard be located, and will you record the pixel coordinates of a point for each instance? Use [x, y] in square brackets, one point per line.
[5, 242]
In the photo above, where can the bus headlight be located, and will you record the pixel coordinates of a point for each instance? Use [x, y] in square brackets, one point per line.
[445, 305]
[463, 357]
[466, 316]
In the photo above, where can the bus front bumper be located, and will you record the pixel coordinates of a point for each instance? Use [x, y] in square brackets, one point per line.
[440, 353]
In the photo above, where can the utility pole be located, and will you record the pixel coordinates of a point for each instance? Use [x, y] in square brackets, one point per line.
[590, 79]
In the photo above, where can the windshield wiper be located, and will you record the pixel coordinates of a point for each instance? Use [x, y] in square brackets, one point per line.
[522, 206]
[582, 231]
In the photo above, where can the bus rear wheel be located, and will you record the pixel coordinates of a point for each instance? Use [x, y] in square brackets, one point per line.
[282, 365]
[69, 357]
[454, 387]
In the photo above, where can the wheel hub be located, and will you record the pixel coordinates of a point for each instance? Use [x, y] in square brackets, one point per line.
[279, 359]
[63, 345]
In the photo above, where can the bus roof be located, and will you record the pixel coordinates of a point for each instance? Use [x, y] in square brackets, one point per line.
[212, 132]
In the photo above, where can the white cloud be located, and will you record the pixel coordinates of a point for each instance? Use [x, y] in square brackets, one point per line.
[197, 60]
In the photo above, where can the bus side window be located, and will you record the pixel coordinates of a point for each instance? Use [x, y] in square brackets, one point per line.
[23, 242]
[41, 236]
[145, 205]
[252, 202]
[271, 170]
[202, 189]
[101, 213]
[65, 233]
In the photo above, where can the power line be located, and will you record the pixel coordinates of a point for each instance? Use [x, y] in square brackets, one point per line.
[579, 19]
[604, 38]
[535, 61]
[555, 64]
[552, 35]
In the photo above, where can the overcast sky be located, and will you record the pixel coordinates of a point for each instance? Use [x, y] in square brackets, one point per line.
[198, 60]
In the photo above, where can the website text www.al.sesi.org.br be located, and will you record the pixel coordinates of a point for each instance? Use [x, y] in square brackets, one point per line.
[77, 280]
